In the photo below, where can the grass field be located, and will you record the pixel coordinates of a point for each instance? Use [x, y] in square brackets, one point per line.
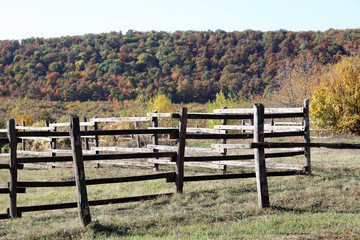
[324, 205]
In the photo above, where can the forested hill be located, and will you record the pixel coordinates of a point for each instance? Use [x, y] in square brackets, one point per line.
[187, 66]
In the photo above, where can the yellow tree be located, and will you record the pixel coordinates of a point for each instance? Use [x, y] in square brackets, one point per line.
[336, 101]
[296, 80]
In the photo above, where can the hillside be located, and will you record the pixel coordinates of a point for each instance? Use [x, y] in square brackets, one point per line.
[187, 66]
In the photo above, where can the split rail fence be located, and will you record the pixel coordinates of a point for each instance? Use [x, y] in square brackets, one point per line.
[259, 132]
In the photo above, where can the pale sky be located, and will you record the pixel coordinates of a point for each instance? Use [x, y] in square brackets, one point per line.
[53, 18]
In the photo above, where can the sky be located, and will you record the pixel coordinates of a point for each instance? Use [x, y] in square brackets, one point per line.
[22, 19]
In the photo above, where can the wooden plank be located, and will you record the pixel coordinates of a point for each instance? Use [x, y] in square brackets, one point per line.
[121, 149]
[284, 134]
[91, 203]
[121, 119]
[131, 132]
[42, 134]
[36, 138]
[179, 179]
[4, 216]
[3, 130]
[33, 128]
[4, 140]
[259, 156]
[68, 124]
[129, 156]
[230, 146]
[219, 136]
[7, 190]
[125, 163]
[303, 145]
[267, 110]
[13, 168]
[307, 134]
[33, 153]
[266, 128]
[240, 157]
[214, 116]
[82, 198]
[44, 159]
[205, 130]
[187, 149]
[190, 164]
[159, 115]
[169, 175]
[268, 165]
[237, 175]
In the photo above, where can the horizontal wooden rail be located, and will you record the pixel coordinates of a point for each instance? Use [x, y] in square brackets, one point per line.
[7, 190]
[4, 216]
[251, 110]
[312, 145]
[240, 175]
[7, 166]
[33, 128]
[97, 157]
[121, 119]
[219, 136]
[130, 156]
[214, 116]
[241, 157]
[44, 159]
[238, 116]
[4, 140]
[169, 176]
[284, 134]
[91, 203]
[42, 134]
[172, 131]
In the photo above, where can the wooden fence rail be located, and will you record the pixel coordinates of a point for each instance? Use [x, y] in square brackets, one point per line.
[156, 154]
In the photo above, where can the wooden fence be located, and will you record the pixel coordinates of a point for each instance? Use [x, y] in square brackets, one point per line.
[258, 115]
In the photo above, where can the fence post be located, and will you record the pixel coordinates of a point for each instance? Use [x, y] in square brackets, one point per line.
[82, 200]
[86, 138]
[13, 168]
[96, 136]
[137, 136]
[307, 134]
[223, 141]
[23, 144]
[259, 153]
[155, 137]
[179, 180]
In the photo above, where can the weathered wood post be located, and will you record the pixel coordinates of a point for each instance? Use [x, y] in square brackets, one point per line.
[307, 134]
[137, 137]
[23, 144]
[86, 141]
[13, 168]
[96, 136]
[259, 153]
[82, 199]
[155, 137]
[179, 179]
[53, 140]
[223, 141]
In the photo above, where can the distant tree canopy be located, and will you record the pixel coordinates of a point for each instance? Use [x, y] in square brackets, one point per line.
[185, 66]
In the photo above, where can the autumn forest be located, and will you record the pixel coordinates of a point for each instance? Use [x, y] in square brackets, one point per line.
[186, 66]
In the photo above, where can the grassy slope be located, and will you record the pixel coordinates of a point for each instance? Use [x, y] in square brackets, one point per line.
[322, 206]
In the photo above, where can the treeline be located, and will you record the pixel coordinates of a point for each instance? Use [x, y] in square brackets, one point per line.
[186, 66]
